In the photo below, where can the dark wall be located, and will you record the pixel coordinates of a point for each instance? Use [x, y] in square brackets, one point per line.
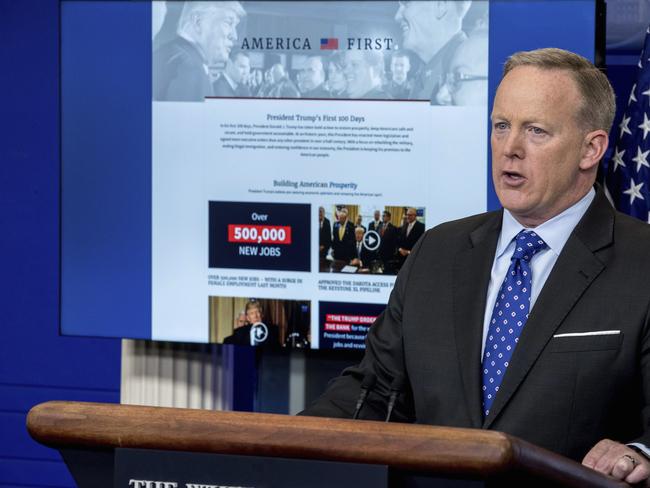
[36, 364]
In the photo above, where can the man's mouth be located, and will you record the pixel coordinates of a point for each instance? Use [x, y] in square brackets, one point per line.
[405, 27]
[513, 178]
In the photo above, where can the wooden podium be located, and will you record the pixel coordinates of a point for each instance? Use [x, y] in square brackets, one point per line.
[90, 435]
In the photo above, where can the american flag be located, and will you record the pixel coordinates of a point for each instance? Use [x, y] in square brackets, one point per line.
[628, 171]
[329, 43]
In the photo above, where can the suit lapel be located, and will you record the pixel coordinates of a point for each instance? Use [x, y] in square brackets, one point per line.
[576, 268]
[472, 268]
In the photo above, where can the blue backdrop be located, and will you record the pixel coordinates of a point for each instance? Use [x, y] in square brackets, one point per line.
[36, 364]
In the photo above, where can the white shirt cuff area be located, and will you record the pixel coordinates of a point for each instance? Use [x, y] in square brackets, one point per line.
[644, 449]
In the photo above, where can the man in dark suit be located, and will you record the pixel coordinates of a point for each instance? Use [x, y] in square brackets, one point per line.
[399, 85]
[533, 320]
[388, 234]
[364, 73]
[409, 234]
[232, 82]
[282, 86]
[313, 78]
[206, 34]
[324, 233]
[343, 237]
[376, 223]
[362, 255]
[432, 30]
[255, 332]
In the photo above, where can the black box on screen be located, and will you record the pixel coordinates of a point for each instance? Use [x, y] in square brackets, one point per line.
[268, 236]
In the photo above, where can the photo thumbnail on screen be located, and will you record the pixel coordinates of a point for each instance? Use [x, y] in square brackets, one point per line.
[267, 49]
[367, 239]
[271, 324]
[256, 235]
[345, 325]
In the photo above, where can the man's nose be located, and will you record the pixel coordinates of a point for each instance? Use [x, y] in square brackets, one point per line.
[513, 145]
[399, 15]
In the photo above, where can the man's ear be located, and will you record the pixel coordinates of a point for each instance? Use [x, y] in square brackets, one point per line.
[594, 147]
[440, 9]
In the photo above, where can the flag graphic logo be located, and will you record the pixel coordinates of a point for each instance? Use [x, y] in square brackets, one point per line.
[327, 43]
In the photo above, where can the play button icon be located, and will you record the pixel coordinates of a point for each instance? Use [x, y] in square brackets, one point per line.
[371, 240]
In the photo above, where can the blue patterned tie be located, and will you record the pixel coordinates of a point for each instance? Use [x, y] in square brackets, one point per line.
[509, 315]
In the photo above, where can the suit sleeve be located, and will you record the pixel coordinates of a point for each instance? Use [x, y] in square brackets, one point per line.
[645, 382]
[384, 356]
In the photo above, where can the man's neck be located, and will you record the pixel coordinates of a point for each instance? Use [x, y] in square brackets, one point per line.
[532, 221]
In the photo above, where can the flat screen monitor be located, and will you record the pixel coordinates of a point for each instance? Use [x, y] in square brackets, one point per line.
[257, 172]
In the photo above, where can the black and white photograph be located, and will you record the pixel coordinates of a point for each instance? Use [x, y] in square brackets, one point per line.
[419, 50]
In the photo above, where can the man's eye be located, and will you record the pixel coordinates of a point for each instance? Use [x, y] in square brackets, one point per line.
[537, 131]
[500, 126]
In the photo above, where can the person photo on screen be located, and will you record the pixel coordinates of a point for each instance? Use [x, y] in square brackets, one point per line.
[240, 321]
[363, 257]
[205, 35]
[433, 31]
[376, 223]
[336, 85]
[233, 82]
[324, 234]
[255, 332]
[388, 234]
[364, 73]
[409, 234]
[534, 319]
[343, 237]
[281, 85]
[358, 222]
[466, 81]
[313, 78]
[399, 85]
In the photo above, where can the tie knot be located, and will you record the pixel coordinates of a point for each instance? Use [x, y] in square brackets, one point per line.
[527, 244]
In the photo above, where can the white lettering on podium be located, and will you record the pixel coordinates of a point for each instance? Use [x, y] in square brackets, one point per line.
[152, 484]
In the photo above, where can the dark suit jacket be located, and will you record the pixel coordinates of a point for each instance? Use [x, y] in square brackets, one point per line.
[343, 249]
[562, 393]
[325, 236]
[388, 244]
[179, 72]
[428, 80]
[376, 228]
[242, 337]
[408, 241]
[318, 92]
[222, 88]
[366, 255]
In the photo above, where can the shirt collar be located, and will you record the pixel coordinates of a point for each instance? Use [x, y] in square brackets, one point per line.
[555, 232]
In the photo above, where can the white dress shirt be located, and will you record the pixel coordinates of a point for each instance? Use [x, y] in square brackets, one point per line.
[555, 232]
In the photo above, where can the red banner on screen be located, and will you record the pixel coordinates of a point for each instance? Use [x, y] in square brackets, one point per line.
[259, 234]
